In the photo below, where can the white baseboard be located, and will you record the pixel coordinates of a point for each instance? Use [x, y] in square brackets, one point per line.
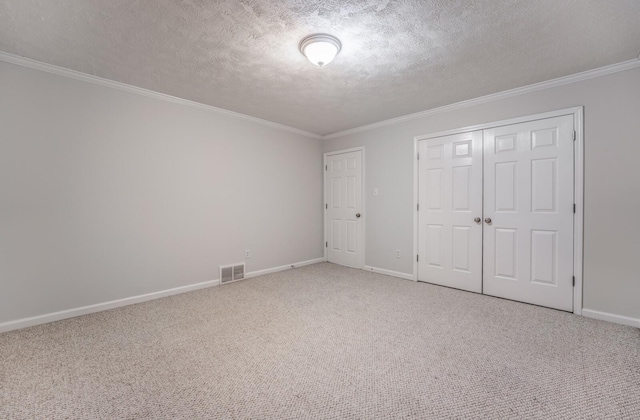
[104, 306]
[282, 268]
[390, 273]
[99, 307]
[605, 316]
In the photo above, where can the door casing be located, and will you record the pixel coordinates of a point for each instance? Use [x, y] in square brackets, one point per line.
[578, 188]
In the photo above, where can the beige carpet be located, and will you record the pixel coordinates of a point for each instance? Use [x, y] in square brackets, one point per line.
[323, 342]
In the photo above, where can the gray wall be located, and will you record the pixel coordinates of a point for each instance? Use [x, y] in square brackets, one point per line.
[612, 186]
[106, 194]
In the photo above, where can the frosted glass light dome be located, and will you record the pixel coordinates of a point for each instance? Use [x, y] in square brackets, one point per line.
[320, 49]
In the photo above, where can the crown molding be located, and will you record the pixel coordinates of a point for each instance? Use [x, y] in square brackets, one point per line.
[73, 74]
[84, 77]
[577, 77]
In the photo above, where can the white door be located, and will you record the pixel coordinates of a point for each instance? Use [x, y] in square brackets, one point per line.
[528, 212]
[450, 211]
[343, 221]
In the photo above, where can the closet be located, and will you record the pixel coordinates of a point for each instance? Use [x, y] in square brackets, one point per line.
[496, 211]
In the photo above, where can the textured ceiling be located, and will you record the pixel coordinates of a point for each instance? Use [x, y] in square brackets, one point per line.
[398, 57]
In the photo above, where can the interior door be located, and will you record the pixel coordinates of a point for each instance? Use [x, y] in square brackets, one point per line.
[450, 211]
[528, 212]
[343, 221]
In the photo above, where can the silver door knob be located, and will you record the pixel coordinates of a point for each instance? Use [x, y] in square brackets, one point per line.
[487, 220]
[358, 215]
[477, 220]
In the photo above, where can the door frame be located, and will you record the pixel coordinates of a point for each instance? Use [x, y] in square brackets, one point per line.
[578, 186]
[363, 219]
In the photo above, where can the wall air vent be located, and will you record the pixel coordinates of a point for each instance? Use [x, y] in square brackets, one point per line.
[229, 273]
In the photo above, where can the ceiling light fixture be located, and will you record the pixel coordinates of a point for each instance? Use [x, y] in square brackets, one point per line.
[320, 49]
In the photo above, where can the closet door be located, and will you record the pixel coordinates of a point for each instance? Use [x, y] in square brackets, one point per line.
[528, 212]
[450, 211]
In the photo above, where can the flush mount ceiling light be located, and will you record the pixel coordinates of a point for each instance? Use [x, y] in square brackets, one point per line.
[320, 49]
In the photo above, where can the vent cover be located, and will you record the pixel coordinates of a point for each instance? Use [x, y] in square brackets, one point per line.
[229, 273]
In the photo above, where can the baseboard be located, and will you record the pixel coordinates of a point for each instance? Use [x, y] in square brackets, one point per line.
[282, 268]
[104, 306]
[605, 316]
[390, 273]
[99, 307]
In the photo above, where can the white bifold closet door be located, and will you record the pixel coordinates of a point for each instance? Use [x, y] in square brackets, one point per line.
[450, 198]
[496, 211]
[528, 198]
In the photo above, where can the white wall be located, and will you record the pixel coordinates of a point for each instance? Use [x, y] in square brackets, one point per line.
[612, 187]
[106, 194]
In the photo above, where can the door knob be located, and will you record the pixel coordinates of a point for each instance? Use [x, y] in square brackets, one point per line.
[358, 215]
[487, 220]
[477, 220]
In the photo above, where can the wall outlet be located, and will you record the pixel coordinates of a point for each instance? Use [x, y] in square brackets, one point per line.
[397, 253]
[247, 253]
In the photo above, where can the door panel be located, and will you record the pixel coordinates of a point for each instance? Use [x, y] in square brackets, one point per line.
[504, 254]
[528, 246]
[434, 246]
[543, 256]
[336, 192]
[351, 192]
[505, 187]
[343, 178]
[450, 197]
[461, 236]
[352, 240]
[336, 235]
[461, 188]
[543, 185]
[434, 189]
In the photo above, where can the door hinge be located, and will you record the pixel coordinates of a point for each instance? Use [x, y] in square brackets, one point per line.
[326, 244]
[418, 156]
[574, 135]
[574, 281]
[417, 258]
[574, 208]
[326, 206]
[418, 207]
[326, 167]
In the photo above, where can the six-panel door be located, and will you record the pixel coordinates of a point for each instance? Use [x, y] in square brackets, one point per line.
[529, 197]
[343, 181]
[450, 198]
[518, 179]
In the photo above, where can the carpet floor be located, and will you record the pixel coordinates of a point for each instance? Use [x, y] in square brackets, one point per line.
[323, 341]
